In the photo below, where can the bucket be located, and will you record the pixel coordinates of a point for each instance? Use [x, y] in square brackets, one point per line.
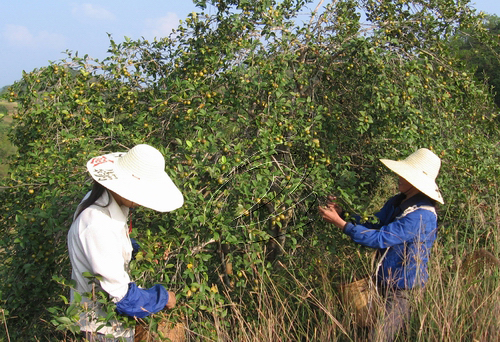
[361, 298]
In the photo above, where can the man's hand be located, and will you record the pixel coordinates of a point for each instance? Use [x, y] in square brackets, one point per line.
[171, 300]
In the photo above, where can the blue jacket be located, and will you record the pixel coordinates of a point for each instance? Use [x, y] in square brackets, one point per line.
[408, 230]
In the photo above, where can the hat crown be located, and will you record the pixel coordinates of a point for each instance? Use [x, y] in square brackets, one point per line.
[139, 176]
[420, 169]
[425, 161]
[142, 162]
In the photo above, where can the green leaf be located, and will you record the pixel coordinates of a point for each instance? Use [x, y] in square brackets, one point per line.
[75, 329]
[63, 320]
[64, 299]
[71, 310]
[77, 297]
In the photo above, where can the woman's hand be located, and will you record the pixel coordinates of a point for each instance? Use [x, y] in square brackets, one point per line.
[332, 201]
[330, 213]
[171, 300]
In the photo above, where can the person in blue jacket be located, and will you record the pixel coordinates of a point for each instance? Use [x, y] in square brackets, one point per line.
[99, 242]
[404, 235]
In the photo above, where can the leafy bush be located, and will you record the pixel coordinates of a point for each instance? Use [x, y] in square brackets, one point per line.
[259, 118]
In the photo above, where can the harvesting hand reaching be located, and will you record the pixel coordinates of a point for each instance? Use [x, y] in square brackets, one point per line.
[332, 201]
[171, 300]
[331, 212]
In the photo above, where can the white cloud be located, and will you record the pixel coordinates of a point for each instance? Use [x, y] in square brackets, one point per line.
[21, 36]
[88, 10]
[161, 27]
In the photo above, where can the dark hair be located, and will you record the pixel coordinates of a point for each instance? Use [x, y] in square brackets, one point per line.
[95, 193]
[434, 202]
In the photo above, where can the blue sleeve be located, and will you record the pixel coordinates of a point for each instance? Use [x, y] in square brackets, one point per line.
[394, 233]
[142, 302]
[383, 215]
[135, 247]
[368, 225]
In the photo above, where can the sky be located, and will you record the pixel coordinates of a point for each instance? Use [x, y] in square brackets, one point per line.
[34, 32]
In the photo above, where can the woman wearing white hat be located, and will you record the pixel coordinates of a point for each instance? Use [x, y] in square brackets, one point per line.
[404, 235]
[98, 240]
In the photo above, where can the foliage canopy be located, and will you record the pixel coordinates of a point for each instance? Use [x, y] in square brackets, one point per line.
[483, 58]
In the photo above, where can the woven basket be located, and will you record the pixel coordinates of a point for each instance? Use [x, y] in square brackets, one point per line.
[174, 333]
[361, 298]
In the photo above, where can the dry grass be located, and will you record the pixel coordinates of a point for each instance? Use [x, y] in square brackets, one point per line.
[461, 300]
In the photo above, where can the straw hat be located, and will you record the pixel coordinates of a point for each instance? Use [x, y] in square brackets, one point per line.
[420, 169]
[138, 176]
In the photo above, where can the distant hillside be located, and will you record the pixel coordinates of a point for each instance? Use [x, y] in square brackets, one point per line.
[4, 89]
[6, 148]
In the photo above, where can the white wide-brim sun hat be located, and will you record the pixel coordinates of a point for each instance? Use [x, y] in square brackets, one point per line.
[138, 176]
[420, 169]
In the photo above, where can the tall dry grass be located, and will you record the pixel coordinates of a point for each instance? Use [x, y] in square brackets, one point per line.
[461, 301]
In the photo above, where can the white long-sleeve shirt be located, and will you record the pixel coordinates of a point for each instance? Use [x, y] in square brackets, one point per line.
[98, 243]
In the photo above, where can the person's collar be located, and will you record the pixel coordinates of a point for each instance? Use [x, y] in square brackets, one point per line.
[398, 199]
[414, 200]
[116, 212]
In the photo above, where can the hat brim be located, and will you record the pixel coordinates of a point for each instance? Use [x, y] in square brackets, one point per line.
[159, 194]
[418, 179]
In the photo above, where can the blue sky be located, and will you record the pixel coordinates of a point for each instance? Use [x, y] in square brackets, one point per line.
[33, 32]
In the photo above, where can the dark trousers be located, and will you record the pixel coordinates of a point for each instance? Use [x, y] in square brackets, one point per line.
[395, 314]
[96, 337]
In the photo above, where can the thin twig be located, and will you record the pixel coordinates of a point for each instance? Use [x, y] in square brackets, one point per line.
[315, 11]
[197, 249]
[5, 324]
